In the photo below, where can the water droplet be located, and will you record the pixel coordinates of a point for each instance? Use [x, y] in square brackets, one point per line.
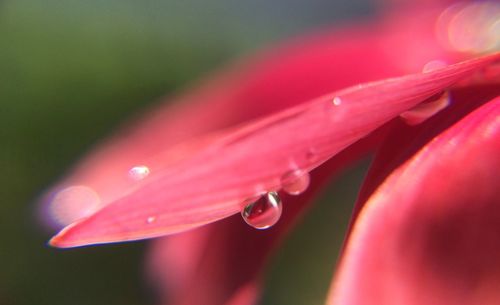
[433, 65]
[311, 155]
[263, 212]
[295, 182]
[151, 219]
[337, 101]
[423, 111]
[138, 172]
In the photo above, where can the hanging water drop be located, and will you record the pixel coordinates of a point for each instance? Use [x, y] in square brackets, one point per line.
[433, 65]
[138, 172]
[264, 212]
[422, 112]
[311, 155]
[295, 182]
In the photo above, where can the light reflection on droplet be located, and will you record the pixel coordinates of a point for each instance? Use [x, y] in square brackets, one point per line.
[295, 182]
[337, 101]
[151, 219]
[263, 212]
[422, 112]
[73, 203]
[138, 172]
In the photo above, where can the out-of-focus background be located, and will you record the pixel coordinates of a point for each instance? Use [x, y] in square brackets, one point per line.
[71, 71]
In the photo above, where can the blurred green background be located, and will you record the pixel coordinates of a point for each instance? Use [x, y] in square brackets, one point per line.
[70, 71]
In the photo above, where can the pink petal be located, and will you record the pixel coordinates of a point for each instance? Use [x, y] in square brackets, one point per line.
[223, 263]
[247, 91]
[285, 76]
[251, 159]
[429, 233]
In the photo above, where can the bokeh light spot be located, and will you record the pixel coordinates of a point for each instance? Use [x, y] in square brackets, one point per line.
[73, 203]
[470, 27]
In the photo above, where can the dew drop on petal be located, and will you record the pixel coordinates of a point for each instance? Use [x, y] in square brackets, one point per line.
[263, 212]
[138, 172]
[311, 155]
[422, 112]
[295, 182]
[433, 65]
[337, 101]
[151, 219]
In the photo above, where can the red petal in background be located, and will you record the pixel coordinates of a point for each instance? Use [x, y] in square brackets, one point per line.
[253, 158]
[429, 233]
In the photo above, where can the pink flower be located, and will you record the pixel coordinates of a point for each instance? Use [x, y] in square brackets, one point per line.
[426, 225]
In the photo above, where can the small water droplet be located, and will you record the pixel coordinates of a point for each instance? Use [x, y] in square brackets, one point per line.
[433, 65]
[337, 101]
[311, 155]
[295, 182]
[151, 219]
[138, 172]
[263, 212]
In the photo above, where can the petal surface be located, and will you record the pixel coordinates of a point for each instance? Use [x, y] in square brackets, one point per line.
[429, 233]
[241, 162]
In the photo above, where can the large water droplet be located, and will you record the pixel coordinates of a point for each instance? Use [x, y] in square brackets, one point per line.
[138, 172]
[423, 111]
[295, 182]
[264, 212]
[433, 65]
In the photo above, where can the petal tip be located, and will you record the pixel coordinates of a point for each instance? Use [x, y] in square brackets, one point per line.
[66, 238]
[56, 242]
[60, 240]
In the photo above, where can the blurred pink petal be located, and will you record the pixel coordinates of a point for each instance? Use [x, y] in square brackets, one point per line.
[429, 233]
[243, 162]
